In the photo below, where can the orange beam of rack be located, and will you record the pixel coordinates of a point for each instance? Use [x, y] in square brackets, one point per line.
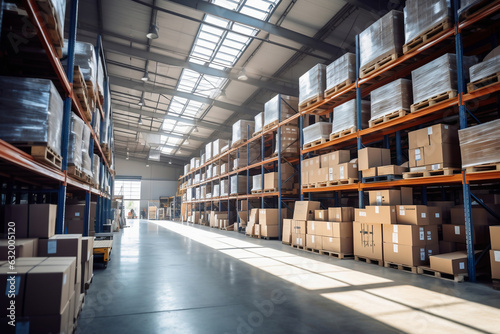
[436, 180]
[353, 187]
[481, 92]
[484, 176]
[73, 182]
[100, 108]
[479, 17]
[265, 162]
[338, 141]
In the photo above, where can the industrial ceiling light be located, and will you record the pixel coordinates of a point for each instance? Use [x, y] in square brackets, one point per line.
[140, 120]
[141, 101]
[126, 158]
[170, 162]
[242, 75]
[145, 77]
[147, 165]
[153, 32]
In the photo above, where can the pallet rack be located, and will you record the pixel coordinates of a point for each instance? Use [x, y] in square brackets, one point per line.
[22, 169]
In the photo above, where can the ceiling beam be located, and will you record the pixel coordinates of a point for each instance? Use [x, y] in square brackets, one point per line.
[128, 126]
[291, 89]
[231, 15]
[175, 160]
[146, 87]
[119, 129]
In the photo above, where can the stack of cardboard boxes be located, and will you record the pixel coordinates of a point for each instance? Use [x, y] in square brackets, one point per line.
[334, 166]
[331, 230]
[268, 223]
[287, 179]
[218, 219]
[297, 228]
[74, 218]
[371, 158]
[495, 252]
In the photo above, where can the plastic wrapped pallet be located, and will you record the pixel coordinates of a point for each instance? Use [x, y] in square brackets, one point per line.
[216, 191]
[194, 162]
[187, 168]
[317, 131]
[421, 15]
[465, 5]
[75, 141]
[100, 77]
[312, 84]
[341, 70]
[393, 97]
[289, 140]
[239, 184]
[217, 146]
[208, 151]
[241, 129]
[257, 182]
[85, 59]
[197, 193]
[203, 192]
[35, 112]
[437, 77]
[479, 144]
[345, 116]
[96, 163]
[224, 187]
[259, 122]
[202, 159]
[288, 105]
[97, 123]
[226, 147]
[382, 38]
[485, 69]
[86, 161]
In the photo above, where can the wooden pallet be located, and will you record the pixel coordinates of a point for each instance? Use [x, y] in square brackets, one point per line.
[77, 173]
[312, 250]
[315, 143]
[425, 270]
[41, 153]
[490, 80]
[285, 154]
[429, 173]
[271, 190]
[387, 118]
[81, 92]
[342, 182]
[321, 184]
[483, 168]
[256, 191]
[52, 24]
[433, 100]
[310, 101]
[238, 142]
[298, 246]
[430, 34]
[91, 91]
[378, 64]
[305, 186]
[496, 284]
[382, 178]
[337, 88]
[476, 8]
[340, 256]
[270, 125]
[343, 133]
[286, 243]
[258, 133]
[402, 267]
[368, 260]
[268, 238]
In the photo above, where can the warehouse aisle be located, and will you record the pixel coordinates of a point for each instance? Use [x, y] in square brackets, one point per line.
[162, 281]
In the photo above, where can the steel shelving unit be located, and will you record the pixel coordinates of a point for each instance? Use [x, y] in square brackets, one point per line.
[17, 165]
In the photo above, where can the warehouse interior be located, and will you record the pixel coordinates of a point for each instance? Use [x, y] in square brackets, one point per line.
[249, 166]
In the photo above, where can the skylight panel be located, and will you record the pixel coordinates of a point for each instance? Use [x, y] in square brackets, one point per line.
[216, 20]
[253, 13]
[232, 5]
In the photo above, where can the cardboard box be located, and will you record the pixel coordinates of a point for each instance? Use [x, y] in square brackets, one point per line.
[304, 177]
[435, 215]
[412, 214]
[314, 241]
[391, 170]
[50, 284]
[74, 211]
[341, 230]
[456, 233]
[442, 156]
[345, 171]
[299, 227]
[19, 291]
[406, 195]
[256, 230]
[270, 231]
[87, 248]
[311, 164]
[495, 263]
[299, 240]
[23, 248]
[445, 207]
[447, 246]
[319, 175]
[370, 172]
[495, 237]
[338, 245]
[90, 272]
[405, 254]
[304, 210]
[450, 263]
[416, 157]
[334, 158]
[381, 214]
[250, 229]
[42, 220]
[410, 235]
[61, 245]
[54, 323]
[270, 216]
[75, 268]
[360, 215]
[18, 214]
[75, 226]
[385, 197]
[286, 234]
[433, 135]
[367, 240]
[431, 235]
[321, 215]
[479, 215]
[369, 157]
[345, 214]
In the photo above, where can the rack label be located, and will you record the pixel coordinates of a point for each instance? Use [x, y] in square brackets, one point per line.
[461, 265]
[52, 247]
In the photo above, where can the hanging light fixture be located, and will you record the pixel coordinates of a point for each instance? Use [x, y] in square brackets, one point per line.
[170, 162]
[153, 32]
[140, 120]
[145, 77]
[147, 165]
[141, 101]
[242, 75]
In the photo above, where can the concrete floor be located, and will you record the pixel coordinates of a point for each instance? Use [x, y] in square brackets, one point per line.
[166, 277]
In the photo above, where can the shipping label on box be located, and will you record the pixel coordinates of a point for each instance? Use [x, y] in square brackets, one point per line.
[381, 214]
[368, 240]
[385, 197]
[321, 215]
[412, 214]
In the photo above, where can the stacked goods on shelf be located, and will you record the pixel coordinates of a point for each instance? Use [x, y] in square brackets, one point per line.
[381, 43]
[423, 25]
[202, 159]
[259, 124]
[495, 252]
[312, 86]
[469, 7]
[224, 187]
[340, 74]
[238, 184]
[203, 192]
[216, 170]
[289, 141]
[217, 146]
[392, 171]
[86, 160]
[370, 158]
[286, 234]
[252, 221]
[345, 118]
[74, 217]
[187, 168]
[340, 166]
[287, 180]
[208, 151]
[253, 156]
[316, 134]
[224, 168]
[485, 73]
[216, 192]
[331, 231]
[390, 101]
[278, 109]
[479, 146]
[257, 183]
[436, 81]
[434, 148]
[97, 123]
[226, 147]
[216, 219]
[241, 130]
[75, 146]
[309, 169]
[152, 212]
[209, 171]
[304, 211]
[34, 118]
[268, 223]
[197, 193]
[195, 163]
